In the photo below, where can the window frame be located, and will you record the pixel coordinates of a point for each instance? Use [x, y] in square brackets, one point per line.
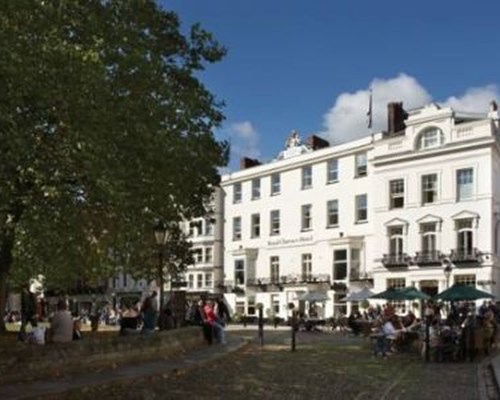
[209, 283]
[306, 263]
[427, 235]
[199, 280]
[255, 226]
[330, 214]
[425, 142]
[460, 185]
[209, 227]
[360, 210]
[274, 269]
[465, 279]
[337, 261]
[274, 217]
[395, 195]
[465, 235]
[275, 182]
[332, 174]
[209, 254]
[197, 253]
[306, 217]
[396, 240]
[256, 189]
[237, 193]
[361, 165]
[239, 272]
[354, 263]
[307, 177]
[237, 229]
[426, 188]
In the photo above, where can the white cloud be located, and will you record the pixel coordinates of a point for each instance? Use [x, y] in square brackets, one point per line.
[347, 119]
[244, 140]
[475, 99]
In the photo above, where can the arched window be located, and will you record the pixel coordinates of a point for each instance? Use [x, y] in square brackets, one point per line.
[430, 138]
[396, 241]
[428, 238]
[465, 236]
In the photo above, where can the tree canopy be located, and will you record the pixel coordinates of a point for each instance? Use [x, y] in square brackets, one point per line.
[104, 126]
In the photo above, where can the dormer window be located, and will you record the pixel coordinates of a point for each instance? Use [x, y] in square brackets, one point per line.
[430, 138]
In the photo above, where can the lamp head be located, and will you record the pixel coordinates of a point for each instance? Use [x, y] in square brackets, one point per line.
[160, 232]
[447, 270]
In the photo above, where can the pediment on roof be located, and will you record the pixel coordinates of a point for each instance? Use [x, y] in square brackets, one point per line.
[429, 218]
[466, 214]
[396, 222]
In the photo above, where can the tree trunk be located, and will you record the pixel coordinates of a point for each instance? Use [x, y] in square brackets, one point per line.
[6, 247]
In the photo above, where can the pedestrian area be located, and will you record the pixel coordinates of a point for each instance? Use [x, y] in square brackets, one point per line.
[325, 365]
[128, 373]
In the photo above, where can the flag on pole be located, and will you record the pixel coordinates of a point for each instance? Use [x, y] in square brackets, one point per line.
[369, 114]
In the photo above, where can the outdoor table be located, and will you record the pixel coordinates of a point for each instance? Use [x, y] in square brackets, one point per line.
[312, 324]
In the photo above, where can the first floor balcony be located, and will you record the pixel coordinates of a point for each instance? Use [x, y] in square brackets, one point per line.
[433, 257]
[396, 260]
[465, 255]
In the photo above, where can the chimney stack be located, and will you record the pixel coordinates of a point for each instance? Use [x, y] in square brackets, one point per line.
[316, 143]
[396, 116]
[246, 162]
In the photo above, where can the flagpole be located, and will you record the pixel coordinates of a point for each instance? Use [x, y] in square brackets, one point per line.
[370, 112]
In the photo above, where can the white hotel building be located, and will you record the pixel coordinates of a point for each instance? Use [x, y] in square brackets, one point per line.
[392, 209]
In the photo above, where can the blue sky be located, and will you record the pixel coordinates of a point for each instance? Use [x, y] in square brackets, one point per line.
[308, 65]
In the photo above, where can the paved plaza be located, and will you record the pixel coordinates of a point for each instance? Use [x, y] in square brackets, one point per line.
[325, 366]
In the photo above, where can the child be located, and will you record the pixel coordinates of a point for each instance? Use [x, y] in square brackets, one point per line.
[37, 334]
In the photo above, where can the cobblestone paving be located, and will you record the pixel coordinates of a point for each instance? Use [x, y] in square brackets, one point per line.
[325, 366]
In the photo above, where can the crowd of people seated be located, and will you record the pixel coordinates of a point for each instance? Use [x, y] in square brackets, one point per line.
[61, 325]
[455, 334]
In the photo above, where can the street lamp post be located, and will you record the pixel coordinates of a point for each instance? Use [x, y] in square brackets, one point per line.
[161, 236]
[291, 307]
[428, 316]
[260, 324]
[447, 274]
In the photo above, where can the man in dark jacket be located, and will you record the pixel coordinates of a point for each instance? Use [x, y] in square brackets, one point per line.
[28, 310]
[222, 311]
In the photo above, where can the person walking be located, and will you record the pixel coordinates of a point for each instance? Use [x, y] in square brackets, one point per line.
[222, 311]
[94, 315]
[149, 314]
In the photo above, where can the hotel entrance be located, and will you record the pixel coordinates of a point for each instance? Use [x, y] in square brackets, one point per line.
[430, 287]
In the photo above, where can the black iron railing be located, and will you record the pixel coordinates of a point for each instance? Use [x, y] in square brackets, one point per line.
[396, 260]
[428, 257]
[465, 255]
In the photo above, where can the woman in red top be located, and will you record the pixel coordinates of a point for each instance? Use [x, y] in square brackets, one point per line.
[212, 319]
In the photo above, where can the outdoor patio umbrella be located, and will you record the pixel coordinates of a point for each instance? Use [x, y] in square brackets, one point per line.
[408, 293]
[389, 294]
[412, 293]
[361, 295]
[462, 292]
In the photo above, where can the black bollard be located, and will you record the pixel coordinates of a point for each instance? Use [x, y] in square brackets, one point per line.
[261, 327]
[427, 339]
[291, 307]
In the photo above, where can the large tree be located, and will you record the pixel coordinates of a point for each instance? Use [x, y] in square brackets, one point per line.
[104, 126]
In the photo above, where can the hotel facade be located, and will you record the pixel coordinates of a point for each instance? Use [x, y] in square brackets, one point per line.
[417, 204]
